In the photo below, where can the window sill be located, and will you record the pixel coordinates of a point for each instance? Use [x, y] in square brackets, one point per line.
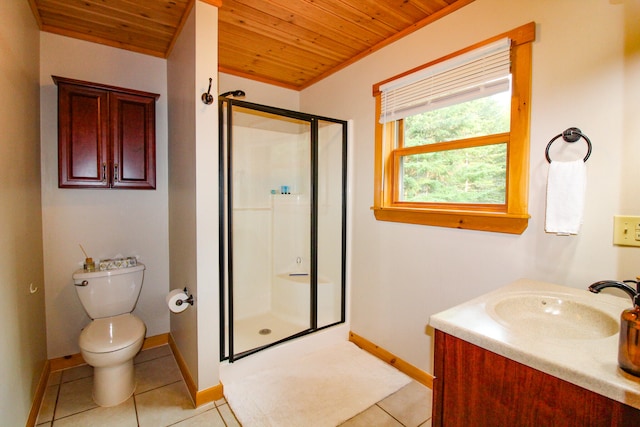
[481, 221]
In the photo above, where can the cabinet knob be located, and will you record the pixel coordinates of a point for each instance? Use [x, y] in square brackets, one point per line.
[115, 172]
[104, 172]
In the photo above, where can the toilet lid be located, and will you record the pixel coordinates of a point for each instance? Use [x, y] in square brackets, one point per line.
[112, 333]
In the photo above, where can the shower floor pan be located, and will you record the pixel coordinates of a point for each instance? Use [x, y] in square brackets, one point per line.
[261, 330]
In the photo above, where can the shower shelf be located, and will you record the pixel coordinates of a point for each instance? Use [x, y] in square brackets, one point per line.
[256, 208]
[289, 196]
[303, 279]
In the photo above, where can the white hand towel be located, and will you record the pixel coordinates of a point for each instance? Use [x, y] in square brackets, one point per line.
[566, 188]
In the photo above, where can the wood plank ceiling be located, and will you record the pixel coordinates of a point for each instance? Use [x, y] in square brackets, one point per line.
[289, 43]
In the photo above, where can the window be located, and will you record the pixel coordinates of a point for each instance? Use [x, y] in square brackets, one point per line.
[452, 138]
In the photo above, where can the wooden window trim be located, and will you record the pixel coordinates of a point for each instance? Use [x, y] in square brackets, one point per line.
[398, 153]
[513, 218]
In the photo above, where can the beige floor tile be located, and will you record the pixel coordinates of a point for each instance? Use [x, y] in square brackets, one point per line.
[211, 418]
[153, 353]
[228, 416]
[48, 404]
[162, 399]
[411, 405]
[76, 373]
[166, 405]
[156, 373]
[374, 416]
[54, 378]
[123, 415]
[75, 396]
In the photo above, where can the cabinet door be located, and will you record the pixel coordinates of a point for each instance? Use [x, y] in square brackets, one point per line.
[133, 138]
[83, 137]
[475, 387]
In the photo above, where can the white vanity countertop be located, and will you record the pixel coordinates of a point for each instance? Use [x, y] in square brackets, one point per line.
[588, 363]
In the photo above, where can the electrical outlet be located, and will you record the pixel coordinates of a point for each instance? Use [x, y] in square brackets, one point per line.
[626, 230]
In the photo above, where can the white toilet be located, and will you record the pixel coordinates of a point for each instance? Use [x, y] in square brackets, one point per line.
[110, 342]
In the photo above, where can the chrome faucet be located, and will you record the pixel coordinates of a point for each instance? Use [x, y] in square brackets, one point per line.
[633, 293]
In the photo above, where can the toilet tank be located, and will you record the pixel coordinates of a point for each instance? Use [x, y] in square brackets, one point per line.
[110, 292]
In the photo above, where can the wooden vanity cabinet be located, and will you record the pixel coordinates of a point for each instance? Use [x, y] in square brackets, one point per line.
[475, 387]
[106, 136]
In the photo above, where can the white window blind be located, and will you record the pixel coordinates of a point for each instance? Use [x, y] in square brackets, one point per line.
[481, 72]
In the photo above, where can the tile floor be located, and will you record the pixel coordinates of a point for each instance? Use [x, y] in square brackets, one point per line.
[161, 399]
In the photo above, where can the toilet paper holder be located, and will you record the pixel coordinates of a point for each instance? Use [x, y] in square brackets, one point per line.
[188, 300]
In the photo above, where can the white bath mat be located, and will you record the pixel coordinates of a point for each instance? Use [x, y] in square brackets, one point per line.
[322, 389]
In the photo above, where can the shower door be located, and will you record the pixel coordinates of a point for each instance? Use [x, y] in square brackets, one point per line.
[282, 228]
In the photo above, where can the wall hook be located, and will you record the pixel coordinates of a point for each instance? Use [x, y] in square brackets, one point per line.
[207, 98]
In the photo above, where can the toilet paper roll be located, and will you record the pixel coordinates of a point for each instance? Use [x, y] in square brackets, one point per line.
[172, 301]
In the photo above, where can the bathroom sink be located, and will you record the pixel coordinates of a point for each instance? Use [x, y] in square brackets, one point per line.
[551, 315]
[566, 332]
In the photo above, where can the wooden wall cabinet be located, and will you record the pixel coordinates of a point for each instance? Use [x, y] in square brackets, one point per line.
[475, 387]
[106, 136]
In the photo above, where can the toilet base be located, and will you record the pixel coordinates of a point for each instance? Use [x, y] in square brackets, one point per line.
[109, 345]
[112, 385]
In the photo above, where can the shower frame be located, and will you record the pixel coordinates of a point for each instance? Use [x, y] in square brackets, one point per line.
[225, 145]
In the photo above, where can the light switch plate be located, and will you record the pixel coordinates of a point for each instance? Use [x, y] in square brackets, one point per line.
[626, 230]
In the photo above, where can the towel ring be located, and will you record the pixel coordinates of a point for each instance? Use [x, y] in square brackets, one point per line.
[569, 135]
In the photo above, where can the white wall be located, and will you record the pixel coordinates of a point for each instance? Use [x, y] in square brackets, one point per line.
[193, 193]
[182, 188]
[260, 93]
[106, 222]
[630, 202]
[402, 273]
[23, 350]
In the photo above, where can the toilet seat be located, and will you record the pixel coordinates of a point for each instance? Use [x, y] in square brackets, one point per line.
[111, 334]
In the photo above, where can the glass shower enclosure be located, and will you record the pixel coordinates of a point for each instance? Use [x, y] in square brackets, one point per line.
[283, 225]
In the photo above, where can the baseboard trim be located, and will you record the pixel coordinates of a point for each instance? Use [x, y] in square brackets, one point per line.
[39, 394]
[417, 374]
[199, 397]
[186, 375]
[74, 360]
[155, 341]
[210, 394]
[65, 362]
